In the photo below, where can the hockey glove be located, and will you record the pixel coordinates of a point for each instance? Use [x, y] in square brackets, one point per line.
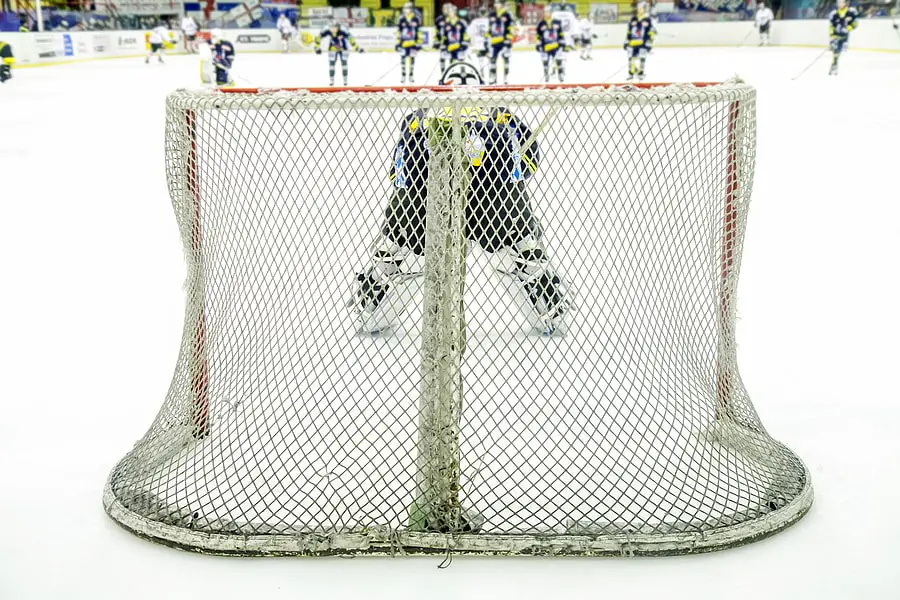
[398, 47]
[360, 50]
[318, 51]
[5, 73]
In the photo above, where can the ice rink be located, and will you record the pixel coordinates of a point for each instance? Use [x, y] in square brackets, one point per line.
[93, 307]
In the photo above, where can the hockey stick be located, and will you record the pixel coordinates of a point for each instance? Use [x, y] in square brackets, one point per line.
[433, 70]
[386, 73]
[815, 60]
[614, 73]
[747, 37]
[543, 125]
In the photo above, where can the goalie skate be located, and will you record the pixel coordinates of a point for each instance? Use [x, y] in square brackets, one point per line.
[379, 305]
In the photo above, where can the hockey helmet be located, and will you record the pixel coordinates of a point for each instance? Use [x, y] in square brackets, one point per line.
[461, 73]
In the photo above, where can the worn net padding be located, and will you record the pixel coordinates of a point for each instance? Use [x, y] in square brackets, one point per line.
[460, 320]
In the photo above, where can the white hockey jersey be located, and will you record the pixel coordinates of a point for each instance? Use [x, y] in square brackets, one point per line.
[764, 16]
[478, 33]
[585, 29]
[569, 24]
[284, 25]
[189, 26]
[159, 35]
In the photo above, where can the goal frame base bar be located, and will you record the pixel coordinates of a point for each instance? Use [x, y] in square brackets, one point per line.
[386, 541]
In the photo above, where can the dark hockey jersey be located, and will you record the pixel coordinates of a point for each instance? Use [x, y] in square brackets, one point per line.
[843, 21]
[549, 34]
[453, 35]
[408, 32]
[640, 32]
[337, 41]
[500, 28]
[494, 146]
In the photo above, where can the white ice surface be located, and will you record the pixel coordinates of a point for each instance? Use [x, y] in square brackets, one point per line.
[91, 311]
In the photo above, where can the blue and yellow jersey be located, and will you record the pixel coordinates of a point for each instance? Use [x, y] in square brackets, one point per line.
[223, 53]
[843, 21]
[6, 55]
[337, 42]
[549, 35]
[439, 22]
[495, 148]
[500, 27]
[454, 35]
[640, 32]
[409, 34]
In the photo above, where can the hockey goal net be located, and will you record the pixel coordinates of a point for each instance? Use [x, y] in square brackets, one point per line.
[494, 320]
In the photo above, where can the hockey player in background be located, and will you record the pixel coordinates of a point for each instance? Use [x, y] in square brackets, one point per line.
[500, 30]
[764, 18]
[551, 44]
[340, 42]
[639, 41]
[159, 35]
[216, 60]
[409, 41]
[503, 155]
[478, 35]
[6, 62]
[439, 22]
[586, 37]
[286, 30]
[454, 39]
[189, 29]
[842, 21]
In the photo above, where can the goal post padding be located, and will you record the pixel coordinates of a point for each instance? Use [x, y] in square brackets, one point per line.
[487, 413]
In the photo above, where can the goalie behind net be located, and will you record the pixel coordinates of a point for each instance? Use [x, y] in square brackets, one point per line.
[501, 154]
[489, 321]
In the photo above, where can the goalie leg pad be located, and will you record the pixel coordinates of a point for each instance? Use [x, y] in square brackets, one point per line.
[381, 292]
[544, 287]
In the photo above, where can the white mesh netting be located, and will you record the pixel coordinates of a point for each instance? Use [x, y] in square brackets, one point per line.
[468, 320]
